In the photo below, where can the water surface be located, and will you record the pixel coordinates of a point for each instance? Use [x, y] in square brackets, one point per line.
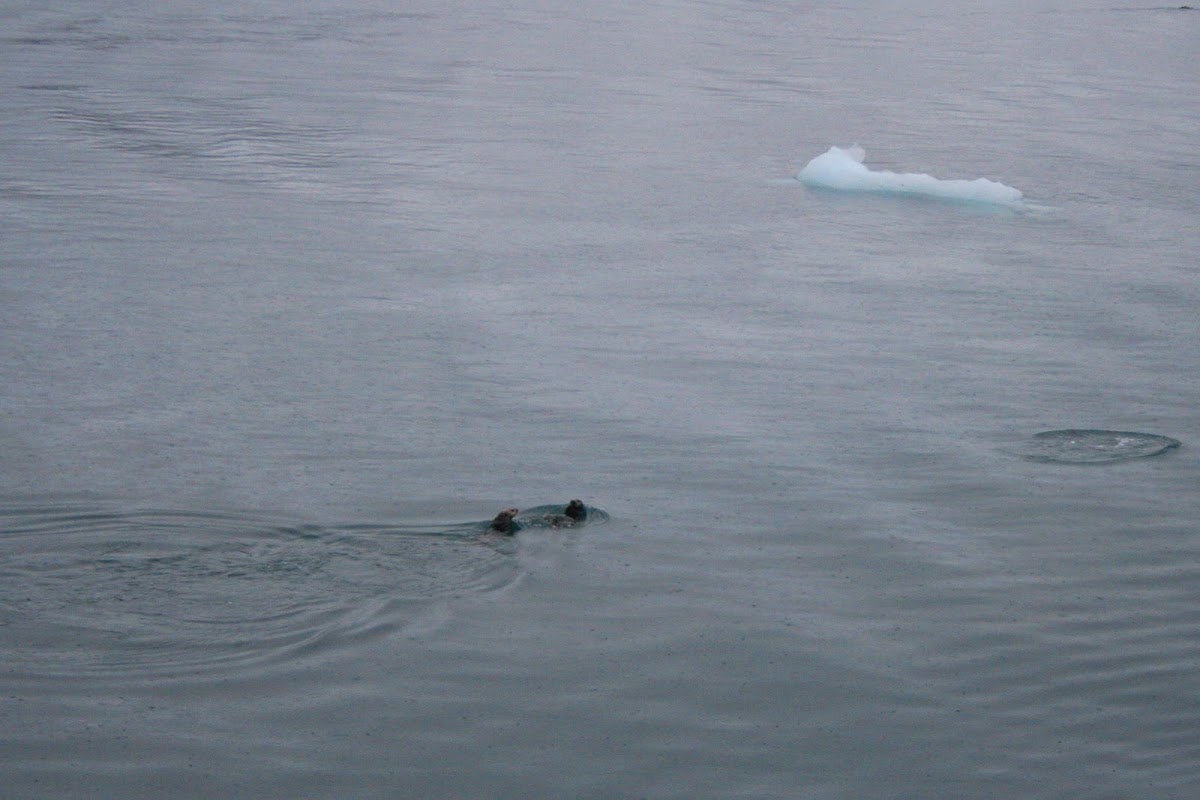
[297, 299]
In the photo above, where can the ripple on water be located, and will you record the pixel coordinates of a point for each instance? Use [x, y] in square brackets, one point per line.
[99, 591]
[1086, 446]
[1092, 653]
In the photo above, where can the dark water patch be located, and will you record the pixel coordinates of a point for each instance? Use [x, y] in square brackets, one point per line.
[222, 140]
[83, 34]
[103, 592]
[1088, 446]
[89, 43]
[53, 87]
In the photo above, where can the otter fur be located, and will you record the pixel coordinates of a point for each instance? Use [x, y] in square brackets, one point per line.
[503, 522]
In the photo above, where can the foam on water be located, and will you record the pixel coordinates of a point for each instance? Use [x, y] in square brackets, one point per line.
[843, 169]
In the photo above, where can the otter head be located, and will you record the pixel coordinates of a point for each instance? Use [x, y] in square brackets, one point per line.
[503, 523]
[576, 510]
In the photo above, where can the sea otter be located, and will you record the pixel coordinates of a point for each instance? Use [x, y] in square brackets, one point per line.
[574, 514]
[503, 523]
[576, 510]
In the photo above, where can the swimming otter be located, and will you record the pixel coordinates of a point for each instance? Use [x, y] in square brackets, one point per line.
[576, 510]
[575, 513]
[503, 523]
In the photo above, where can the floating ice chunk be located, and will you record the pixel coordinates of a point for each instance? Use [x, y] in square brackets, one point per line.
[844, 170]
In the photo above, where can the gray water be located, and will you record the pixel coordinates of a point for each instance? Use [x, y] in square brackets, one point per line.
[296, 297]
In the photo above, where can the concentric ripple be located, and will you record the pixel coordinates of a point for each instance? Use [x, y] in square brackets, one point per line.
[97, 591]
[1086, 446]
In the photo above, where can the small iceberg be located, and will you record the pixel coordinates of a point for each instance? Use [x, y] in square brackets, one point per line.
[844, 170]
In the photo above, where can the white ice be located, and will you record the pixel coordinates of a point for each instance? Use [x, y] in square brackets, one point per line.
[844, 170]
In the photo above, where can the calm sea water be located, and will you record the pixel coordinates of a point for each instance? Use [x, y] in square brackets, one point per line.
[296, 298]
